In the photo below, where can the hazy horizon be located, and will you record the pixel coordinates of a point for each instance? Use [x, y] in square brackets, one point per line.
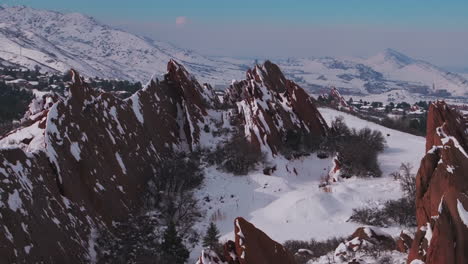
[433, 31]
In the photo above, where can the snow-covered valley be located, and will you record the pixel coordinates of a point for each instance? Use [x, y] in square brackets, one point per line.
[289, 206]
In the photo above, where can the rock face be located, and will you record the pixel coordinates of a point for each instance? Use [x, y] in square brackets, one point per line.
[84, 162]
[337, 100]
[441, 190]
[404, 241]
[364, 238]
[251, 246]
[80, 164]
[270, 106]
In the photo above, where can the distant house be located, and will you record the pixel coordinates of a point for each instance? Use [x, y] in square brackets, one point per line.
[379, 109]
[356, 104]
[6, 78]
[365, 108]
[18, 83]
[398, 111]
[33, 84]
[417, 112]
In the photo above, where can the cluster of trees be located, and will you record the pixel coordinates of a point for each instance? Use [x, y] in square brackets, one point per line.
[163, 231]
[411, 125]
[297, 143]
[13, 105]
[115, 85]
[236, 155]
[415, 125]
[357, 149]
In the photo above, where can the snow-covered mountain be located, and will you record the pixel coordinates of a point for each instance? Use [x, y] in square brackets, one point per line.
[57, 41]
[386, 71]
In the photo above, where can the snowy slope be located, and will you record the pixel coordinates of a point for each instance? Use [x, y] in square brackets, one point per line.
[289, 206]
[57, 41]
[397, 66]
[389, 70]
[60, 41]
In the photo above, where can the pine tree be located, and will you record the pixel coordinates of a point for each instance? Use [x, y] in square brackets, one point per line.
[211, 239]
[173, 250]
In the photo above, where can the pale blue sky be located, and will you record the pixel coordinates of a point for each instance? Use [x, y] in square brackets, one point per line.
[436, 30]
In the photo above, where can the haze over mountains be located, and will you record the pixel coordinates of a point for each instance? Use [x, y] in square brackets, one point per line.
[57, 42]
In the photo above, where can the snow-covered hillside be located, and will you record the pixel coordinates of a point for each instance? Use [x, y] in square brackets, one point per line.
[59, 41]
[289, 206]
[389, 70]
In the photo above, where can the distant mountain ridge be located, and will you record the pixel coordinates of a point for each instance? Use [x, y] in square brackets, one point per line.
[386, 71]
[58, 42]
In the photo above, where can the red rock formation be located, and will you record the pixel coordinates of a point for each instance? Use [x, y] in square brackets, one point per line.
[363, 238]
[210, 257]
[441, 190]
[339, 100]
[88, 164]
[252, 246]
[270, 106]
[403, 243]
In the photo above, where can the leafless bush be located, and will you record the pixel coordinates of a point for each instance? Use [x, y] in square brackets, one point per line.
[317, 248]
[357, 149]
[237, 155]
[407, 180]
[399, 212]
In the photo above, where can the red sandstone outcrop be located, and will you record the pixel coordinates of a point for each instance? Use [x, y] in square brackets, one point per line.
[441, 190]
[338, 100]
[85, 161]
[362, 239]
[254, 246]
[251, 246]
[270, 106]
[404, 242]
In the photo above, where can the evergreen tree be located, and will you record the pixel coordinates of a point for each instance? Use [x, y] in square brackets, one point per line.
[173, 250]
[211, 239]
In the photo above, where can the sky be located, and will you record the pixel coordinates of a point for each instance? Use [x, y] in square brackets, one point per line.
[434, 30]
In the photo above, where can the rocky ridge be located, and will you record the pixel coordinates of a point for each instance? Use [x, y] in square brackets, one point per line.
[84, 162]
[441, 190]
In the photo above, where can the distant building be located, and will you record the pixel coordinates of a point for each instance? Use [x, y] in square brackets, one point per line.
[398, 111]
[18, 83]
[380, 109]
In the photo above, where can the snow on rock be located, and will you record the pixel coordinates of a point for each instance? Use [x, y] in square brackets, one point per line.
[362, 239]
[210, 257]
[271, 106]
[462, 212]
[88, 148]
[441, 187]
[254, 246]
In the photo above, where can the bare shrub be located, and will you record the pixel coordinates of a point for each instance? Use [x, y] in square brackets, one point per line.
[237, 155]
[357, 149]
[407, 180]
[317, 248]
[394, 212]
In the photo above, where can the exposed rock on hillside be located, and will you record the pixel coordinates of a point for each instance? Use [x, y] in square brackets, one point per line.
[270, 106]
[442, 188]
[81, 164]
[364, 238]
[84, 163]
[251, 246]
